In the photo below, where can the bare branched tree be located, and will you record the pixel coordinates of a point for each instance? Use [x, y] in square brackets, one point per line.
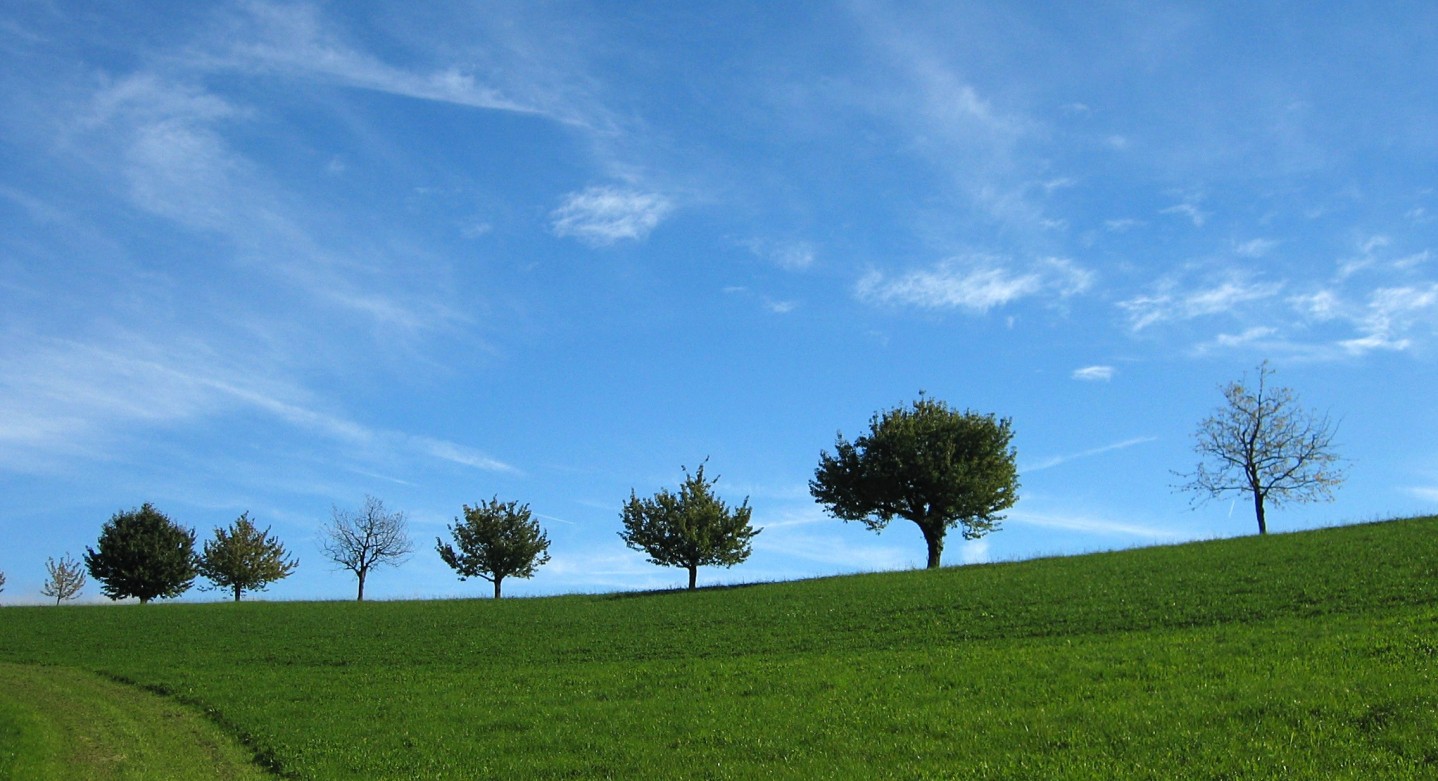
[1262, 443]
[360, 541]
[66, 578]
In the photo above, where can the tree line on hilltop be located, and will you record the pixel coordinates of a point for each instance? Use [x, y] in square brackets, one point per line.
[935, 466]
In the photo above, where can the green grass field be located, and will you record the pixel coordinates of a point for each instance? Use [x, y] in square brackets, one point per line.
[1311, 655]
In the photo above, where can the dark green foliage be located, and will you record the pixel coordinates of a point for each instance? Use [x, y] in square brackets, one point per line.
[64, 578]
[1262, 443]
[690, 529]
[496, 540]
[243, 558]
[935, 466]
[143, 554]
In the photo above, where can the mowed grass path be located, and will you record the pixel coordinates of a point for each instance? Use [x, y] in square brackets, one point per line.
[58, 723]
[1310, 655]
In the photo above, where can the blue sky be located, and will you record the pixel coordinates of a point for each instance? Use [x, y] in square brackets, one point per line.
[274, 257]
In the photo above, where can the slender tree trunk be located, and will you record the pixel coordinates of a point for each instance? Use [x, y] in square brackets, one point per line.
[1258, 510]
[496, 587]
[693, 576]
[361, 574]
[237, 592]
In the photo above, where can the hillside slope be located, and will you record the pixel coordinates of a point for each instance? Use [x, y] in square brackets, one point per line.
[1306, 655]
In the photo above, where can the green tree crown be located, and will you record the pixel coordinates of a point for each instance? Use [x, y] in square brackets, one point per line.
[928, 463]
[690, 529]
[143, 554]
[243, 558]
[496, 540]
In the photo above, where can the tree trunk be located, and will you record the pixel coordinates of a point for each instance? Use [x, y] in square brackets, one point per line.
[360, 598]
[496, 587]
[934, 538]
[237, 593]
[1258, 510]
[693, 576]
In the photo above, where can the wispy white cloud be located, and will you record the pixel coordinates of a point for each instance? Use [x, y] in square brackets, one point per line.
[1094, 373]
[1053, 461]
[1098, 526]
[298, 41]
[1255, 248]
[77, 399]
[603, 215]
[975, 283]
[1171, 303]
[788, 255]
[1191, 210]
[1391, 316]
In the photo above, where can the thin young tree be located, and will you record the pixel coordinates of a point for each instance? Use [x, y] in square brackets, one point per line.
[690, 529]
[927, 463]
[495, 540]
[64, 578]
[362, 540]
[1261, 442]
[243, 558]
[142, 554]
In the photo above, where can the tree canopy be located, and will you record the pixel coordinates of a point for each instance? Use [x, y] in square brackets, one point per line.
[495, 540]
[930, 464]
[143, 554]
[1261, 442]
[243, 558]
[361, 540]
[690, 529]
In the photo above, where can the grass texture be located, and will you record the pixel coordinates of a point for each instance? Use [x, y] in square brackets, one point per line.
[1310, 655]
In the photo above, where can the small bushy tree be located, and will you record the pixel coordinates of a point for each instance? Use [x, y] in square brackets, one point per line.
[495, 540]
[64, 580]
[371, 537]
[243, 558]
[927, 463]
[690, 529]
[143, 554]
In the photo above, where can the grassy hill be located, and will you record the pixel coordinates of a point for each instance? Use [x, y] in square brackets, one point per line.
[1311, 655]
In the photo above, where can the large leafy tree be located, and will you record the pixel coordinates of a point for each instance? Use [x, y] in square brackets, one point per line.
[243, 558]
[1263, 443]
[495, 540]
[64, 578]
[143, 554]
[690, 529]
[362, 540]
[928, 463]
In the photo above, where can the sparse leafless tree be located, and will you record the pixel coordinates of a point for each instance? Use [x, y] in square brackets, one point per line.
[1262, 443]
[371, 537]
[66, 578]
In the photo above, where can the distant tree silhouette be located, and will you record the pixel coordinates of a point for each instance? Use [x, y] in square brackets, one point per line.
[65, 578]
[495, 540]
[1262, 443]
[243, 558]
[143, 554]
[362, 540]
[690, 529]
[930, 464]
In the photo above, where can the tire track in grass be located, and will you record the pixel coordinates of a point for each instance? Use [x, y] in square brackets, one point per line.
[63, 723]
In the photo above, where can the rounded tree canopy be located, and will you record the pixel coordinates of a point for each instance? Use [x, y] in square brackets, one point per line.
[925, 462]
[143, 554]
